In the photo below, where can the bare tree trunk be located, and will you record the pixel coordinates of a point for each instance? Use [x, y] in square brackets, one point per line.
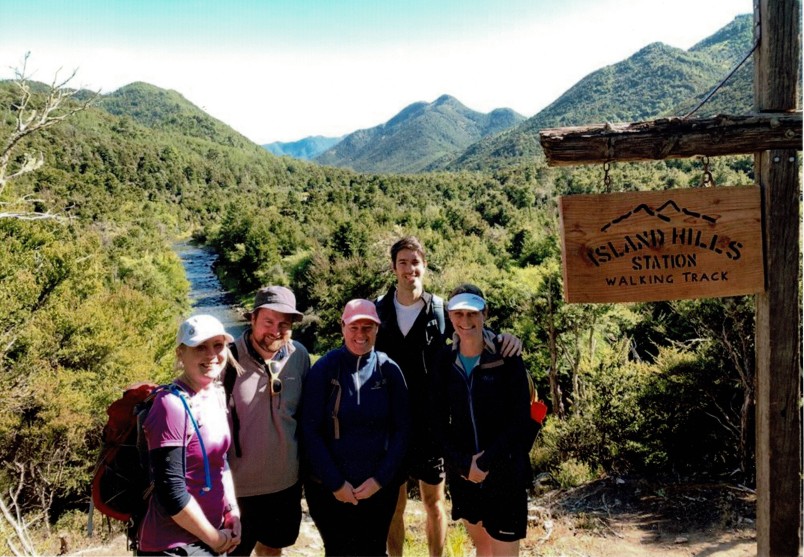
[19, 542]
[747, 435]
[555, 388]
[29, 121]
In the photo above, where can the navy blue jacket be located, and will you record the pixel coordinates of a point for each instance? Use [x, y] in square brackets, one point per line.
[488, 411]
[373, 424]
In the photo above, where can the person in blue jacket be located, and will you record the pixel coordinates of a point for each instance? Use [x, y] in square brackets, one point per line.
[355, 423]
[485, 428]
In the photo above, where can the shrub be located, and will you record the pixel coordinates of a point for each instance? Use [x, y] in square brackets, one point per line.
[572, 473]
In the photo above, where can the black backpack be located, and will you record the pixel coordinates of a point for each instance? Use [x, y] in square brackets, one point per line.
[121, 482]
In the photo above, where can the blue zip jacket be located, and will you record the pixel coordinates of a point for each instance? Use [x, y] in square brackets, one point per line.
[370, 436]
[488, 411]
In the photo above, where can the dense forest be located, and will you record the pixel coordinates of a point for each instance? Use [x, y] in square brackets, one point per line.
[91, 291]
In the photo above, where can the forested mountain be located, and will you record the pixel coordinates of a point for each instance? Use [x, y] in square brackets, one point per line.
[418, 137]
[304, 149]
[657, 81]
[161, 109]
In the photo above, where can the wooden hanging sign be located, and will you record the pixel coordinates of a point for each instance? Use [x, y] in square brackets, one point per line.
[662, 245]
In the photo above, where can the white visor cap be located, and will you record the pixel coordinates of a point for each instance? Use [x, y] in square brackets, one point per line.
[466, 301]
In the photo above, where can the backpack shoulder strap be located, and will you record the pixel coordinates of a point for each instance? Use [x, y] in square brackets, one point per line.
[183, 396]
[382, 357]
[335, 389]
[229, 378]
[438, 310]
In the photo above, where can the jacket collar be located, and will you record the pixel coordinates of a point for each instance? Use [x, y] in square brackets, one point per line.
[489, 342]
[352, 362]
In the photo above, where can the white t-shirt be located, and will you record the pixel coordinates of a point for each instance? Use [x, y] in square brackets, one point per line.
[406, 315]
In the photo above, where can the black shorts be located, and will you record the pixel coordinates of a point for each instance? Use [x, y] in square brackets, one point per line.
[429, 470]
[502, 508]
[272, 519]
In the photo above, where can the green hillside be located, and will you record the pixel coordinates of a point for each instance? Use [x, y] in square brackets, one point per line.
[168, 110]
[658, 81]
[418, 137]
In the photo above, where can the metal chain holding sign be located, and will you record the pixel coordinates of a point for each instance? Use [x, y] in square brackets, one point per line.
[606, 177]
[706, 178]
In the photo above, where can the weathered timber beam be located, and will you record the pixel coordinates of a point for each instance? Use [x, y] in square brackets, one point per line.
[671, 138]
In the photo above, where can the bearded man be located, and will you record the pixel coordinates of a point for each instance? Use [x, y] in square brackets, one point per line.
[263, 399]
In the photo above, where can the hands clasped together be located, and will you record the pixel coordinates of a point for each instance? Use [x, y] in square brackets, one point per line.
[349, 494]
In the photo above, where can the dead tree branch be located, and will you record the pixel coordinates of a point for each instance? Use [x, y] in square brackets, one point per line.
[13, 515]
[29, 120]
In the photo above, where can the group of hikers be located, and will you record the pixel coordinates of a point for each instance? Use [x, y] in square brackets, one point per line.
[396, 401]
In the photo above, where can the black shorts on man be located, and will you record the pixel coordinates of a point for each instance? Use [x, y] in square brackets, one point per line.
[429, 470]
[272, 519]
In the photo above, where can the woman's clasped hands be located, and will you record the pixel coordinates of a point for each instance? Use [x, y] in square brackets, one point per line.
[349, 494]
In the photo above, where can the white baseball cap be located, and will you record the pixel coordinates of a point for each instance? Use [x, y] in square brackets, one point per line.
[200, 328]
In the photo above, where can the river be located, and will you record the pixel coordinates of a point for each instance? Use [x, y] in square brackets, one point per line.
[206, 293]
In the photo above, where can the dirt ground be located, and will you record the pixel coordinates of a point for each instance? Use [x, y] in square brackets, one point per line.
[616, 517]
[612, 517]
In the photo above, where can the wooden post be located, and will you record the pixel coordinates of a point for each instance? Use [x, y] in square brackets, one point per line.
[778, 321]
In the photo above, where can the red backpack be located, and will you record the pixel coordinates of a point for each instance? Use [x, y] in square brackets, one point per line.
[121, 483]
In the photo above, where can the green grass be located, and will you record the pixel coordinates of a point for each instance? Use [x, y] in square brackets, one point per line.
[458, 543]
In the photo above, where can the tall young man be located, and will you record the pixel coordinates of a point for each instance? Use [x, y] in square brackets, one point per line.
[412, 331]
[263, 406]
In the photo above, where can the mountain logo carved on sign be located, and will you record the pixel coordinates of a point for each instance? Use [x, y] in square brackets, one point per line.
[659, 213]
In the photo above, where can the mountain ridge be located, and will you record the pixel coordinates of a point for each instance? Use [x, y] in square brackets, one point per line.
[306, 148]
[417, 136]
[656, 81]
[166, 109]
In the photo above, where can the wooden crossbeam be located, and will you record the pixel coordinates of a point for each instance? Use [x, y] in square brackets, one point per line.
[670, 138]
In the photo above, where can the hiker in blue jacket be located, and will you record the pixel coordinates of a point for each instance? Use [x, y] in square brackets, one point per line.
[355, 427]
[485, 428]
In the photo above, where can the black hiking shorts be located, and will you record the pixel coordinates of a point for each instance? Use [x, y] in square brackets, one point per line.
[429, 469]
[502, 507]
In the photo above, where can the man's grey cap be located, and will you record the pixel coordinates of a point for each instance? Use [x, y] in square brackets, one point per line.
[277, 298]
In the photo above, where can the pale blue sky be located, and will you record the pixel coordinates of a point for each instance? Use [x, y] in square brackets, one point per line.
[281, 70]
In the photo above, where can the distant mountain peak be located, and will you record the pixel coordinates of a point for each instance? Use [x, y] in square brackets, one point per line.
[418, 136]
[445, 99]
[303, 149]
